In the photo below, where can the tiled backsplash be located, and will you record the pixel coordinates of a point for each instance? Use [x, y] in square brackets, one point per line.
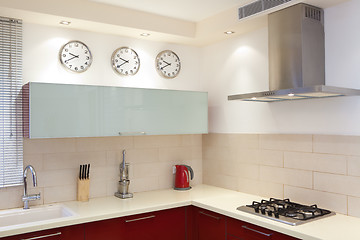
[57, 165]
[305, 168]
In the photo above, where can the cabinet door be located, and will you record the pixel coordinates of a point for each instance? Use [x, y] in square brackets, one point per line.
[209, 225]
[75, 232]
[159, 225]
[136, 111]
[63, 110]
[237, 229]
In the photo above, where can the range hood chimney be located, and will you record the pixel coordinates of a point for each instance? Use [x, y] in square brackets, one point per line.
[296, 58]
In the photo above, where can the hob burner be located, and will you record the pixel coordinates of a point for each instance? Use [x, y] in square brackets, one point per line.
[283, 210]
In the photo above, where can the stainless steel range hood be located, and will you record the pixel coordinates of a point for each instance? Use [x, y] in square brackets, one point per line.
[296, 58]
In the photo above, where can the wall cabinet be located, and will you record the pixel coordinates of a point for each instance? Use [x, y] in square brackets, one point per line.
[64, 110]
[75, 232]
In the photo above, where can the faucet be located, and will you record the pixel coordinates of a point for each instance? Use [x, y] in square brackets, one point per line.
[26, 198]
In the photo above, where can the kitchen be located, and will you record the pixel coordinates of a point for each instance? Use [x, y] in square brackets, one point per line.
[310, 145]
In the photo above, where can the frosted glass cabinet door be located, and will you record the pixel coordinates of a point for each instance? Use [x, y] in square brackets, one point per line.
[136, 111]
[62, 110]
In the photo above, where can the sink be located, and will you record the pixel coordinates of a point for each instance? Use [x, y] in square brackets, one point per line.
[34, 214]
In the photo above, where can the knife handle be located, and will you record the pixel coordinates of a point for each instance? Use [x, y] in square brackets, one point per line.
[80, 172]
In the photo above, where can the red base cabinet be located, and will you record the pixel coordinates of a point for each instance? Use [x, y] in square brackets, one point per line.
[166, 224]
[75, 232]
[239, 230]
[208, 225]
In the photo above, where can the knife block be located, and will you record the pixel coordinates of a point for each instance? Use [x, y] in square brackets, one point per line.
[83, 190]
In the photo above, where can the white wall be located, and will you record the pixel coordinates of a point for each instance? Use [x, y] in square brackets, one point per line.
[41, 62]
[240, 65]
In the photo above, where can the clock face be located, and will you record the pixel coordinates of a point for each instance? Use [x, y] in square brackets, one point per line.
[125, 61]
[75, 56]
[168, 64]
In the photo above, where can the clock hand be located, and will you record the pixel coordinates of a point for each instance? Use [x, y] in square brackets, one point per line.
[124, 60]
[71, 58]
[122, 64]
[168, 64]
[74, 55]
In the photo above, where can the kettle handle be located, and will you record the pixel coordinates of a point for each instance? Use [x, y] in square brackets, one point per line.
[190, 170]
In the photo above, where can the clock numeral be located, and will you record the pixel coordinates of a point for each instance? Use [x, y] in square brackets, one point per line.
[86, 51]
[76, 45]
[64, 55]
[87, 57]
[70, 66]
[131, 71]
[76, 68]
[86, 63]
[82, 67]
[66, 50]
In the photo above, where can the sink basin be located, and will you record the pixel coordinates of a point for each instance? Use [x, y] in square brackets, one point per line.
[40, 213]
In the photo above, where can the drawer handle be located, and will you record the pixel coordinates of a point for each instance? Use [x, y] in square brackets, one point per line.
[43, 236]
[139, 219]
[250, 229]
[217, 218]
[131, 133]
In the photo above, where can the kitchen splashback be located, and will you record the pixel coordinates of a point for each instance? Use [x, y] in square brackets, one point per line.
[151, 159]
[308, 169]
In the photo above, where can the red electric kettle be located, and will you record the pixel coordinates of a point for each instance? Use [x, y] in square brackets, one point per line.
[183, 173]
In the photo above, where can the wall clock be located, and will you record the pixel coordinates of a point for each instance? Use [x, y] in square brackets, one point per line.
[125, 61]
[168, 64]
[75, 56]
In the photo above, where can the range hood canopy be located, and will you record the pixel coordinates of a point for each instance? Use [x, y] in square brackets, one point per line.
[296, 58]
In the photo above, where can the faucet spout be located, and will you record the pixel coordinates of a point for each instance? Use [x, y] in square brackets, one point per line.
[27, 197]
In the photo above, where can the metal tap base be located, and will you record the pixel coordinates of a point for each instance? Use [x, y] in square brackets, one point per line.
[123, 195]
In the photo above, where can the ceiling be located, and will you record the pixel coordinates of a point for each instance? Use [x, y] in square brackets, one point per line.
[190, 22]
[189, 10]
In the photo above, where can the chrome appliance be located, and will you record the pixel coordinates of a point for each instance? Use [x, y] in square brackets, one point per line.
[123, 185]
[285, 211]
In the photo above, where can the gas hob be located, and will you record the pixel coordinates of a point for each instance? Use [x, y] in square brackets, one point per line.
[285, 211]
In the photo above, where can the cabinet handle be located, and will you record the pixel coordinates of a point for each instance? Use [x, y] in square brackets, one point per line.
[250, 229]
[43, 236]
[139, 219]
[217, 218]
[131, 133]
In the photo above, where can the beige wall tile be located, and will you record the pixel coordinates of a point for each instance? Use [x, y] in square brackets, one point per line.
[346, 145]
[331, 201]
[144, 184]
[176, 154]
[143, 170]
[353, 208]
[316, 162]
[157, 141]
[245, 155]
[291, 177]
[135, 155]
[219, 180]
[55, 161]
[98, 188]
[57, 177]
[353, 165]
[286, 142]
[51, 145]
[103, 144]
[36, 160]
[191, 140]
[11, 197]
[60, 193]
[218, 153]
[249, 141]
[260, 188]
[346, 185]
[271, 158]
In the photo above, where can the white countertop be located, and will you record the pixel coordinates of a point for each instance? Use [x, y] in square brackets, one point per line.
[212, 198]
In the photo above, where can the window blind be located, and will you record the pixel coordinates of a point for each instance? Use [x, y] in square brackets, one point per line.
[11, 142]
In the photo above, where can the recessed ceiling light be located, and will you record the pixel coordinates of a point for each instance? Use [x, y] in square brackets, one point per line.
[65, 22]
[229, 32]
[145, 34]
